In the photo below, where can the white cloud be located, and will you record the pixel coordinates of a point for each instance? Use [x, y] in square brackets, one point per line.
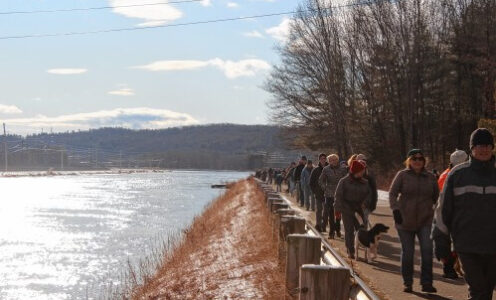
[231, 69]
[135, 118]
[232, 4]
[122, 92]
[174, 65]
[153, 15]
[67, 71]
[281, 31]
[9, 109]
[206, 2]
[245, 67]
[254, 34]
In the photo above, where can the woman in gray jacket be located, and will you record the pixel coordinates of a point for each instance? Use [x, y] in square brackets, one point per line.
[412, 197]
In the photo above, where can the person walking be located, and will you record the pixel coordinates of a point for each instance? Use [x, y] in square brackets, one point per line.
[309, 200]
[440, 235]
[352, 195]
[290, 178]
[468, 207]
[279, 177]
[369, 175]
[297, 177]
[318, 191]
[328, 181]
[412, 196]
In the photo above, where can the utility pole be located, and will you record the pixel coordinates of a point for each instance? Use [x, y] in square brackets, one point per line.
[5, 148]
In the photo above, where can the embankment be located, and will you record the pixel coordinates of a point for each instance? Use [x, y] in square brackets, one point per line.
[227, 253]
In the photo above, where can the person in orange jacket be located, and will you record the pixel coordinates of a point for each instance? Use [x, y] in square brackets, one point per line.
[456, 158]
[442, 241]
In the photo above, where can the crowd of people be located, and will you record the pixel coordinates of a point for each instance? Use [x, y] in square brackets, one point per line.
[451, 214]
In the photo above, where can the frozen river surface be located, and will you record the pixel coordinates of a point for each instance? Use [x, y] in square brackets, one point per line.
[64, 237]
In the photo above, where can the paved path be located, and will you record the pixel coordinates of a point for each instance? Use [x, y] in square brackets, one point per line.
[384, 275]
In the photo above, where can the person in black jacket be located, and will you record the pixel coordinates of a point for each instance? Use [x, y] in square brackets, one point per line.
[468, 208]
[317, 190]
[297, 177]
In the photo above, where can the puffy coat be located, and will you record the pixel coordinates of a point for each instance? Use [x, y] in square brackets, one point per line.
[351, 195]
[329, 179]
[468, 206]
[414, 195]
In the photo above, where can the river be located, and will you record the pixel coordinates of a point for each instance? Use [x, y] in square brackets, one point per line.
[65, 237]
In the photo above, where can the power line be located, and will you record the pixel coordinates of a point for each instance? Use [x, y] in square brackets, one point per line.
[173, 25]
[142, 28]
[94, 8]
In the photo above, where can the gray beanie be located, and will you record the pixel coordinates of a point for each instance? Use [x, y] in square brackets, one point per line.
[458, 157]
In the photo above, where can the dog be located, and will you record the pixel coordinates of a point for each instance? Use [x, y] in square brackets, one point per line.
[368, 239]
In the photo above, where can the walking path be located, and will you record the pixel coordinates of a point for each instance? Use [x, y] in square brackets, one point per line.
[384, 275]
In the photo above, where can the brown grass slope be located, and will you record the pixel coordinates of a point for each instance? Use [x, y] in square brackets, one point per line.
[228, 253]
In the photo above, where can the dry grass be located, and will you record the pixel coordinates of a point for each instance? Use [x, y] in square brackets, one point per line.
[227, 253]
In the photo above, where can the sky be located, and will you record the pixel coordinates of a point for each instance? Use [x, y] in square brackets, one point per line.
[141, 78]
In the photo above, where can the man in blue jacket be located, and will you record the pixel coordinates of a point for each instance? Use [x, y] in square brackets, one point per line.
[468, 208]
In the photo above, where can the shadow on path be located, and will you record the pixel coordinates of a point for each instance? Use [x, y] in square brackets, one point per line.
[430, 296]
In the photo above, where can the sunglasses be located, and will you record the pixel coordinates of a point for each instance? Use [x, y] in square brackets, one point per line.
[418, 158]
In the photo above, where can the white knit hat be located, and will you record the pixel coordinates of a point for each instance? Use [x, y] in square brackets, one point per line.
[458, 157]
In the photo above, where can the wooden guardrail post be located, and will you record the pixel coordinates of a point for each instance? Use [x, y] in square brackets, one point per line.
[288, 224]
[273, 194]
[273, 200]
[276, 219]
[324, 282]
[278, 205]
[301, 249]
[291, 225]
[278, 214]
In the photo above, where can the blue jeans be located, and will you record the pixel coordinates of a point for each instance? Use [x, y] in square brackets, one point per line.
[407, 239]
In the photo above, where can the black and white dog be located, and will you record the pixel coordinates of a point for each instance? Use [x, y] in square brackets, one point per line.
[368, 239]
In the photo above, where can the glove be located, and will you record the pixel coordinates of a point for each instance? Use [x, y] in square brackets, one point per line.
[397, 217]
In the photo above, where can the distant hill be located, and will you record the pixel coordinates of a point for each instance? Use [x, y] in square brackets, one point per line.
[217, 146]
[223, 138]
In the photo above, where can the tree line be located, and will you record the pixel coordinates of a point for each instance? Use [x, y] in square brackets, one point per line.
[216, 146]
[381, 76]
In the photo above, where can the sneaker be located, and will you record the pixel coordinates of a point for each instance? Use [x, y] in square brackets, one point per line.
[408, 288]
[338, 233]
[428, 288]
[331, 235]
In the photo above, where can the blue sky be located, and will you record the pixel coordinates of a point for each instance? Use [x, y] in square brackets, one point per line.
[151, 78]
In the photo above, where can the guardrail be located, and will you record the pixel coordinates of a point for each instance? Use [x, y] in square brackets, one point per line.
[329, 256]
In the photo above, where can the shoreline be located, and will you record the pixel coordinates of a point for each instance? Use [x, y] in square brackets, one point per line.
[227, 252]
[39, 173]
[14, 174]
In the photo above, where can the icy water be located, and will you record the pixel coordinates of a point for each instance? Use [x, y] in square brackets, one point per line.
[64, 237]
